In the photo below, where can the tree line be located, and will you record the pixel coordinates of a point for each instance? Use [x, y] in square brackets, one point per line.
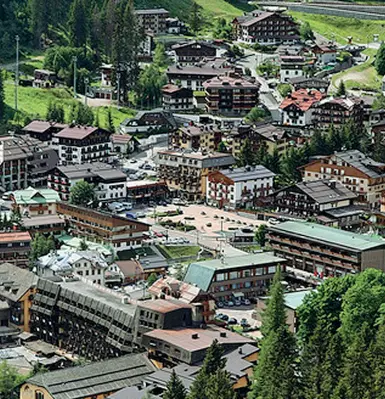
[349, 136]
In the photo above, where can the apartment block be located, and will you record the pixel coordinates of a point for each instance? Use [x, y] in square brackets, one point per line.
[291, 66]
[193, 52]
[323, 251]
[109, 182]
[152, 20]
[265, 28]
[15, 247]
[80, 144]
[239, 187]
[196, 137]
[24, 161]
[357, 172]
[102, 227]
[230, 94]
[185, 172]
[247, 275]
[177, 98]
[339, 111]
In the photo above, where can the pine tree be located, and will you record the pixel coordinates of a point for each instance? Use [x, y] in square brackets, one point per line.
[378, 364]
[109, 122]
[126, 42]
[78, 23]
[97, 120]
[219, 386]
[275, 376]
[357, 378]
[273, 161]
[380, 60]
[341, 91]
[246, 155]
[2, 98]
[174, 388]
[378, 147]
[212, 363]
[40, 18]
[319, 144]
[195, 19]
[160, 57]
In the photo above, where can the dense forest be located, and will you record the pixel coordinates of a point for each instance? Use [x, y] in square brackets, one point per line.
[39, 22]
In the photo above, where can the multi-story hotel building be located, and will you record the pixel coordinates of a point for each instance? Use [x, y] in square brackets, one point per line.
[105, 228]
[325, 251]
[152, 20]
[230, 94]
[235, 188]
[357, 172]
[193, 52]
[15, 247]
[265, 28]
[339, 111]
[177, 98]
[109, 182]
[80, 144]
[248, 275]
[291, 66]
[186, 172]
[24, 161]
[43, 130]
[196, 137]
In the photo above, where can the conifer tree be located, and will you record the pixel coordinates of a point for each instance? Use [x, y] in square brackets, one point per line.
[2, 98]
[78, 23]
[275, 376]
[174, 388]
[212, 363]
[109, 122]
[246, 155]
[341, 91]
[160, 57]
[195, 19]
[378, 363]
[219, 386]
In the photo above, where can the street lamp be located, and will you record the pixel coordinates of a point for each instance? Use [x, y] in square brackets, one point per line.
[86, 81]
[118, 77]
[75, 60]
[17, 74]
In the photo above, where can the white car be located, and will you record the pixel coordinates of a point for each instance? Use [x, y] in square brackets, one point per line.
[127, 206]
[273, 221]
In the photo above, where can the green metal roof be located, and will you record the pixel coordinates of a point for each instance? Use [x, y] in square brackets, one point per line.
[330, 235]
[202, 273]
[33, 196]
[294, 300]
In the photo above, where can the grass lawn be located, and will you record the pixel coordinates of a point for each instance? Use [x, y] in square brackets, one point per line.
[361, 30]
[175, 252]
[33, 103]
[360, 77]
[225, 9]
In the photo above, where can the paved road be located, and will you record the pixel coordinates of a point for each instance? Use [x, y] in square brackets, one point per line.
[268, 98]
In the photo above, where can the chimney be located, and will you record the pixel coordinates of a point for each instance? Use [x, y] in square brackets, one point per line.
[223, 334]
[240, 350]
[195, 336]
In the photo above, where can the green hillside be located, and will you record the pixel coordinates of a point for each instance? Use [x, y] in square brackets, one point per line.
[339, 28]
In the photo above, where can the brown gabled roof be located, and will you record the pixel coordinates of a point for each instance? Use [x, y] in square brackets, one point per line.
[76, 132]
[129, 268]
[164, 306]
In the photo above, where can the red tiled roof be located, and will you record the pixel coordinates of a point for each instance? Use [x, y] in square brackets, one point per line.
[303, 99]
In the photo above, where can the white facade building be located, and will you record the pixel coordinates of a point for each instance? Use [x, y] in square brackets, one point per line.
[234, 188]
[88, 264]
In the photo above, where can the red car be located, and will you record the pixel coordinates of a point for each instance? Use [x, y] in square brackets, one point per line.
[158, 234]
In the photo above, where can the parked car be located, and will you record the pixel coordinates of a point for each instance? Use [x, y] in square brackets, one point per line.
[232, 321]
[158, 234]
[273, 221]
[237, 302]
[140, 214]
[147, 167]
[219, 305]
[244, 323]
[246, 302]
[230, 304]
[127, 206]
[179, 202]
[133, 160]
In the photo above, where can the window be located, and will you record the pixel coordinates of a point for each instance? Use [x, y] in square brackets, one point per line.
[271, 269]
[220, 277]
[39, 395]
[233, 275]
